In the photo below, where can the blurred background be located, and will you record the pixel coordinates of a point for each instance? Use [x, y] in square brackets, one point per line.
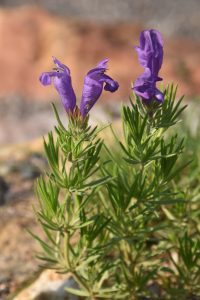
[80, 33]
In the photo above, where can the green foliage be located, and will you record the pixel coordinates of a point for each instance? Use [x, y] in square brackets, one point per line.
[120, 218]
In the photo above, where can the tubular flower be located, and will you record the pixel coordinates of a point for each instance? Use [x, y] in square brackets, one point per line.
[150, 54]
[94, 83]
[62, 82]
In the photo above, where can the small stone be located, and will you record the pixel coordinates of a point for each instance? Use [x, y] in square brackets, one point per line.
[3, 190]
[4, 288]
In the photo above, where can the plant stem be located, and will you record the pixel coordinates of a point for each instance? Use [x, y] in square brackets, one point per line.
[81, 282]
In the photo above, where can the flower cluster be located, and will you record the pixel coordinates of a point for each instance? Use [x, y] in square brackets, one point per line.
[150, 53]
[95, 81]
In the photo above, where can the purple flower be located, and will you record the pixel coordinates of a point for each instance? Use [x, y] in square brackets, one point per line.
[95, 81]
[150, 54]
[62, 81]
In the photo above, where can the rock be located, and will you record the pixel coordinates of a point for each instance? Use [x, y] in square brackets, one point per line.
[49, 286]
[25, 122]
[30, 36]
[122, 11]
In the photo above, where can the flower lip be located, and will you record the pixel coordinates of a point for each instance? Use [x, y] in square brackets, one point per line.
[60, 65]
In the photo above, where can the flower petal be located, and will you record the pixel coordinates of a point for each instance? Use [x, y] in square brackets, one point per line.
[60, 65]
[64, 87]
[159, 96]
[150, 51]
[46, 77]
[103, 64]
[110, 84]
[145, 87]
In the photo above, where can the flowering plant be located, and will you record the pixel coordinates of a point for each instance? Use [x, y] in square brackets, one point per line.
[116, 218]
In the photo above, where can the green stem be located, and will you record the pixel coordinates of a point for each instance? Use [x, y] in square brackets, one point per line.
[78, 279]
[66, 249]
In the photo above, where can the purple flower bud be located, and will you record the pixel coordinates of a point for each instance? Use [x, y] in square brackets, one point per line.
[93, 86]
[150, 54]
[62, 82]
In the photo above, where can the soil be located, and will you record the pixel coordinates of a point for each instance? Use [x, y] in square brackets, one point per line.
[17, 263]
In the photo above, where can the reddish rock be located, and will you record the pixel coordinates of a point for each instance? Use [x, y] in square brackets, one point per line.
[29, 37]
